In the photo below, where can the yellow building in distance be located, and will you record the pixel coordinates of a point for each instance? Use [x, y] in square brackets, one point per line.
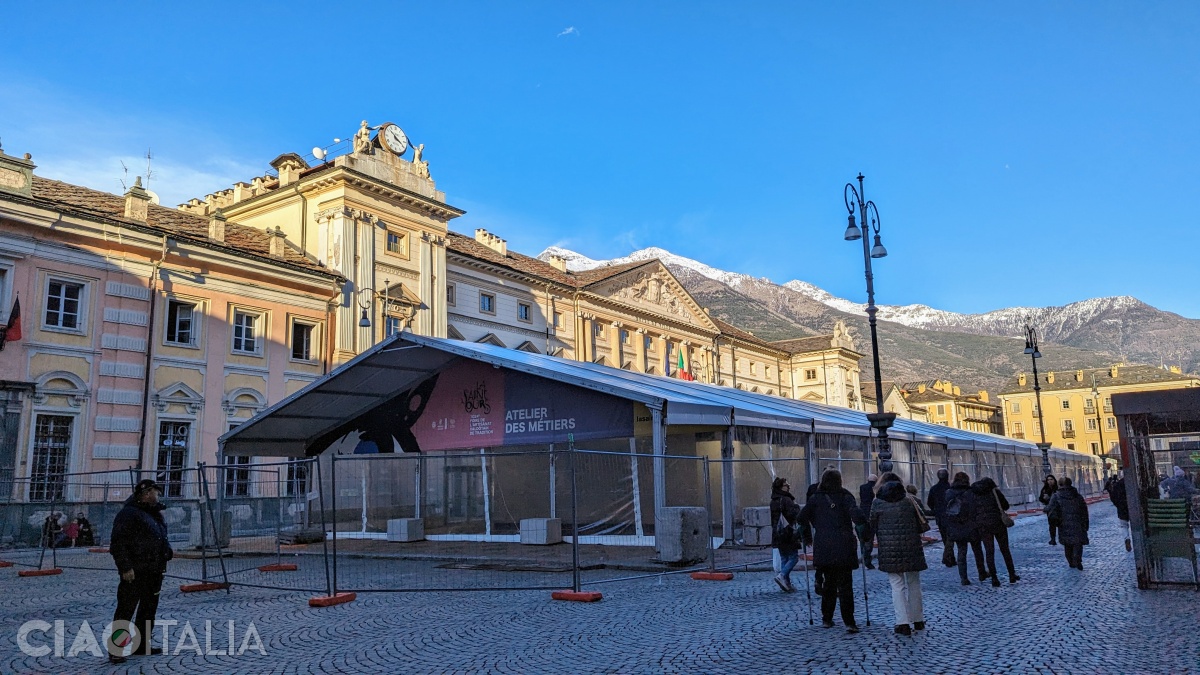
[944, 403]
[1077, 404]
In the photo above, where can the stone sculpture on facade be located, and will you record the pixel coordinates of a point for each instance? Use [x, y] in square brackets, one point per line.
[421, 165]
[362, 139]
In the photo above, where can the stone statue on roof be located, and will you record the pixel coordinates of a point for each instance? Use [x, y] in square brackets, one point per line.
[841, 337]
[362, 139]
[421, 165]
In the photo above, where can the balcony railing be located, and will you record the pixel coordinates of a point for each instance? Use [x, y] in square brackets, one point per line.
[1018, 434]
[1068, 433]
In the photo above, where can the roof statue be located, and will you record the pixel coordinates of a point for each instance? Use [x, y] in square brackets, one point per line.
[421, 165]
[362, 139]
[841, 338]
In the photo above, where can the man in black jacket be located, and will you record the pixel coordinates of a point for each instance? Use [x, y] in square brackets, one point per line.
[866, 495]
[937, 504]
[140, 550]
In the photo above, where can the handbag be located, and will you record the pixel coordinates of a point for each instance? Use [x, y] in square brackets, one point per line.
[1004, 517]
[923, 522]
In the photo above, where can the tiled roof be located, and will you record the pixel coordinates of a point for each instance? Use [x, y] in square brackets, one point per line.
[733, 331]
[1126, 375]
[241, 239]
[815, 343]
[867, 388]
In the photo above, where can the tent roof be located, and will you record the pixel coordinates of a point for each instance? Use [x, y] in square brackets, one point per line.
[398, 364]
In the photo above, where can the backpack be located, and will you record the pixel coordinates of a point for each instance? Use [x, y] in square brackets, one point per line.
[955, 509]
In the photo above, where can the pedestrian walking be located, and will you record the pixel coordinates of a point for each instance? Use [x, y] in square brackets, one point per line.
[960, 525]
[86, 536]
[784, 516]
[866, 495]
[898, 523]
[139, 548]
[1070, 511]
[1049, 487]
[937, 504]
[828, 521]
[992, 523]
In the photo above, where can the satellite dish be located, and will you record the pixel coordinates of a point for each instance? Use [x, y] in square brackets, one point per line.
[319, 154]
[153, 197]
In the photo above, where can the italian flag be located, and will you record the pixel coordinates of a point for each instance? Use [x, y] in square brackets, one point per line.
[681, 369]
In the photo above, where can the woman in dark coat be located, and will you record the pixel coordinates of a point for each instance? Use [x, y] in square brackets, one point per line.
[990, 504]
[896, 520]
[1068, 509]
[783, 506]
[833, 513]
[1049, 487]
[959, 517]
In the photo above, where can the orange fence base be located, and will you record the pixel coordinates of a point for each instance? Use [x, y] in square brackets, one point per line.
[580, 596]
[203, 586]
[98, 549]
[278, 567]
[712, 576]
[39, 573]
[5, 563]
[331, 600]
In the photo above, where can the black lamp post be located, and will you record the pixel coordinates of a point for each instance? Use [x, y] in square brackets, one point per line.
[1031, 348]
[1100, 425]
[881, 421]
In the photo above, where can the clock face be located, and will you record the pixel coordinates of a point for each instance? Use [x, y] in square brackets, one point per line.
[394, 139]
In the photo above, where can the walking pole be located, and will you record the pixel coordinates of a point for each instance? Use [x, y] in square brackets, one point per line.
[866, 595]
[807, 594]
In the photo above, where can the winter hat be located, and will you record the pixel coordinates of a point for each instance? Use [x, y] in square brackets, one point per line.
[1178, 472]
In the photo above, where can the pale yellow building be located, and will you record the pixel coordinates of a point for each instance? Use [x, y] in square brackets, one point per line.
[1077, 404]
[893, 401]
[945, 404]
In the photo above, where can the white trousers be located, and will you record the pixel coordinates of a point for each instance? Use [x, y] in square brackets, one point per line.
[906, 597]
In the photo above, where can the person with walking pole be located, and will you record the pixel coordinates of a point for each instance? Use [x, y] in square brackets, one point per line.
[833, 514]
[139, 548]
[784, 513]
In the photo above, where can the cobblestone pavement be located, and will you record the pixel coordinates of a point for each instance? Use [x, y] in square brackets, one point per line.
[1055, 620]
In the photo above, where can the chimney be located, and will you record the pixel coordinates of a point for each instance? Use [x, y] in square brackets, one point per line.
[493, 242]
[1113, 371]
[1050, 377]
[216, 226]
[289, 165]
[1021, 379]
[1079, 376]
[16, 175]
[558, 262]
[137, 202]
[278, 242]
[242, 190]
[983, 396]
[957, 391]
[1175, 369]
[921, 388]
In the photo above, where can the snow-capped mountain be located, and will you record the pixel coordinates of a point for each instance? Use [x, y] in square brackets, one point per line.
[1115, 328]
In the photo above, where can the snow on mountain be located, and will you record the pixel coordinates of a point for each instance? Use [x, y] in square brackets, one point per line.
[1052, 321]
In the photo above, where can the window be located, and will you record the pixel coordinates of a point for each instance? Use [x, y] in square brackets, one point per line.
[392, 325]
[558, 318]
[1018, 427]
[63, 304]
[1091, 424]
[624, 336]
[487, 303]
[1016, 406]
[941, 409]
[810, 374]
[237, 476]
[173, 439]
[1110, 422]
[450, 294]
[297, 478]
[1066, 404]
[245, 332]
[597, 331]
[524, 311]
[51, 453]
[180, 326]
[1095, 448]
[753, 368]
[1068, 425]
[397, 243]
[1070, 446]
[302, 341]
[649, 341]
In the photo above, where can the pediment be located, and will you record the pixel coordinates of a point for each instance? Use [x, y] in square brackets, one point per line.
[654, 289]
[179, 394]
[811, 396]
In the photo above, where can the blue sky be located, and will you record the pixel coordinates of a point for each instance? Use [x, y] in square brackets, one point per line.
[1025, 153]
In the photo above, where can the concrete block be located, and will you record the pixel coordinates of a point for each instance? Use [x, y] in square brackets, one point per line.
[541, 531]
[756, 516]
[680, 534]
[406, 529]
[756, 536]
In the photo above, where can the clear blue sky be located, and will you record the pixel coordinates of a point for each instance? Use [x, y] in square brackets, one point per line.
[1024, 153]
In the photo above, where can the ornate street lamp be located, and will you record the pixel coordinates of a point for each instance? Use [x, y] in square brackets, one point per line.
[1031, 348]
[1099, 424]
[881, 421]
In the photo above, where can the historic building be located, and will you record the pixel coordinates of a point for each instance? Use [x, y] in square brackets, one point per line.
[893, 401]
[1077, 404]
[144, 333]
[945, 404]
[147, 332]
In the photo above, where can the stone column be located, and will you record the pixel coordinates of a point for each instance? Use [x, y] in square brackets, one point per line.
[640, 350]
[617, 349]
[662, 353]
